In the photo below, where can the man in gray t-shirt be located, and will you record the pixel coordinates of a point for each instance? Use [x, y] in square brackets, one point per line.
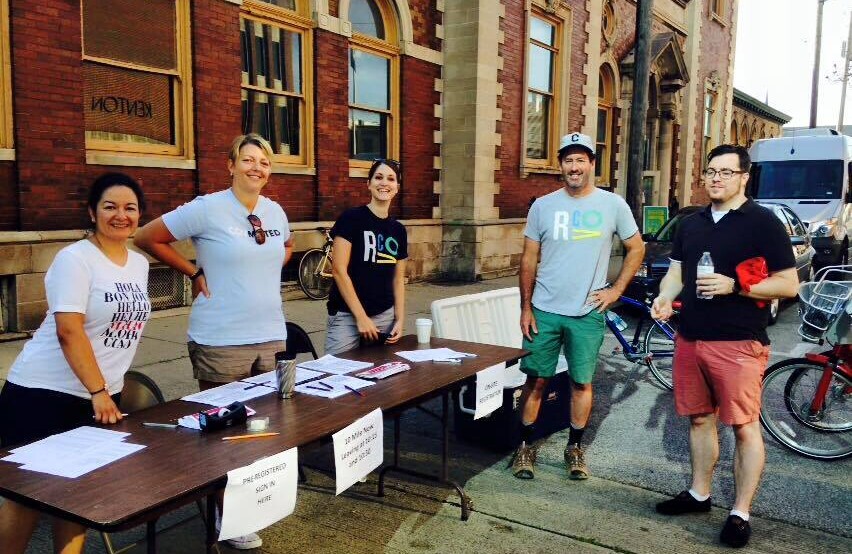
[563, 300]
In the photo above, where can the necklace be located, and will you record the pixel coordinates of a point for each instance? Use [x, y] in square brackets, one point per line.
[119, 259]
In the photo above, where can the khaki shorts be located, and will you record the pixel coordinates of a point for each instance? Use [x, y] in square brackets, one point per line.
[719, 376]
[224, 364]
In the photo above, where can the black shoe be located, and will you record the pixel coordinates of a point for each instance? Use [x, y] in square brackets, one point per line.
[736, 532]
[683, 503]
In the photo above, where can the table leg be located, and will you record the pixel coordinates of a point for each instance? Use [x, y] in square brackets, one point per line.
[211, 523]
[151, 536]
[443, 478]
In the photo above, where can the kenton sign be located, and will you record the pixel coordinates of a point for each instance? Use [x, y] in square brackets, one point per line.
[128, 102]
[113, 104]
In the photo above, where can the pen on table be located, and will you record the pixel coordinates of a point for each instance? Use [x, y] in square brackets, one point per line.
[356, 391]
[162, 425]
[326, 385]
[318, 388]
[253, 436]
[449, 361]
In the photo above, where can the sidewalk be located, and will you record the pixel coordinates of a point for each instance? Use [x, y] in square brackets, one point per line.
[548, 514]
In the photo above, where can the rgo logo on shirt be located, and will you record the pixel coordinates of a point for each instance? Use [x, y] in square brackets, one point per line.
[379, 249]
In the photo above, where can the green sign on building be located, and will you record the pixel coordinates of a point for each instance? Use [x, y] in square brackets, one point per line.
[653, 218]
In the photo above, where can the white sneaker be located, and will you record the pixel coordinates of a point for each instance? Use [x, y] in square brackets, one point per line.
[245, 542]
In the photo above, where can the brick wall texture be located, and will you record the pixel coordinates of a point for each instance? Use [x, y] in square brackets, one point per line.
[516, 191]
[47, 185]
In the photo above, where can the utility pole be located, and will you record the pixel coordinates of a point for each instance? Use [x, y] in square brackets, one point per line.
[639, 106]
[815, 80]
[847, 61]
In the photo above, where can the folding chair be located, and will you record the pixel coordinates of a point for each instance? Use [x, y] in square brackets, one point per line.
[298, 340]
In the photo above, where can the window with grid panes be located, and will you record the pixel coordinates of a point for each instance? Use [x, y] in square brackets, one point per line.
[135, 72]
[606, 121]
[542, 87]
[373, 86]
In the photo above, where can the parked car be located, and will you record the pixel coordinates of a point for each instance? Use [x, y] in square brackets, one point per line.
[658, 248]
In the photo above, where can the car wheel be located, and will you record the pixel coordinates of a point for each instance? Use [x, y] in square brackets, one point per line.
[774, 308]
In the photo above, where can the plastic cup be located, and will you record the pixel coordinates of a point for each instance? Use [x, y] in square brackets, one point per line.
[424, 330]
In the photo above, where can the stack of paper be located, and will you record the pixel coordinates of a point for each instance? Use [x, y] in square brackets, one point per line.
[434, 355]
[334, 386]
[74, 453]
[335, 365]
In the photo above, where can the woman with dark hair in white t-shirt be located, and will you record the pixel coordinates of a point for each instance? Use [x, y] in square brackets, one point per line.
[72, 371]
[367, 300]
[242, 240]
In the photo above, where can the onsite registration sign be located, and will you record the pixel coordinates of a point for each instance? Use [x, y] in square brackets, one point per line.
[259, 494]
[489, 389]
[358, 449]
[653, 218]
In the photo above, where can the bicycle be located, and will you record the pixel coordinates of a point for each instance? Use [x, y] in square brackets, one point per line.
[807, 402]
[657, 350]
[315, 275]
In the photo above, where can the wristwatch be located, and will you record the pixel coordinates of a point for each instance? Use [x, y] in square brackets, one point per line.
[197, 274]
[737, 288]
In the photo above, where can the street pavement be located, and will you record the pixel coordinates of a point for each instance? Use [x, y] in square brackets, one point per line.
[636, 448]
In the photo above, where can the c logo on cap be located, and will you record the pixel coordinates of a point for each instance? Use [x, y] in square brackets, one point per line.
[575, 137]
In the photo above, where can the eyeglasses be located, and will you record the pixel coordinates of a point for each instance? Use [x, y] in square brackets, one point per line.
[257, 227]
[723, 174]
[393, 164]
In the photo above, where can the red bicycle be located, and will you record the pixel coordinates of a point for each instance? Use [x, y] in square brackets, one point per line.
[807, 402]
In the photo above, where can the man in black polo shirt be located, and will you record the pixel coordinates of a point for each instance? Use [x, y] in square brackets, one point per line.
[722, 347]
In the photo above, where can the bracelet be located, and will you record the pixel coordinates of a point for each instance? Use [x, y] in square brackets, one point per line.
[197, 274]
[736, 288]
[102, 389]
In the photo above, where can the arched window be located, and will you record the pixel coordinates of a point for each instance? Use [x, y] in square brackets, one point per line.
[373, 82]
[277, 77]
[743, 135]
[734, 133]
[606, 122]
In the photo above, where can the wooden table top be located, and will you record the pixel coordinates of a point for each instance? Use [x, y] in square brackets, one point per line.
[180, 465]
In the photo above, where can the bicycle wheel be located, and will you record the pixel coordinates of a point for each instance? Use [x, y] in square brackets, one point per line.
[313, 283]
[659, 353]
[788, 392]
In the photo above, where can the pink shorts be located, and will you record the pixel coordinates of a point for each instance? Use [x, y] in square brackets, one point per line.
[719, 376]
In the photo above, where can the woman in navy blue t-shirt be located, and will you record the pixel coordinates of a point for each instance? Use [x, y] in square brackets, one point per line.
[367, 301]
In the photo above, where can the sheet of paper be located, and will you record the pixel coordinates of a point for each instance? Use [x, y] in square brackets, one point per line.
[358, 449]
[334, 365]
[432, 354]
[229, 393]
[268, 378]
[74, 465]
[73, 441]
[489, 389]
[259, 494]
[338, 384]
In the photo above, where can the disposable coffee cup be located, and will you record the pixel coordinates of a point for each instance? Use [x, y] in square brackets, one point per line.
[285, 374]
[424, 330]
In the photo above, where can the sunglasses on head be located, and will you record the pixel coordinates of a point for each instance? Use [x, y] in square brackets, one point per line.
[393, 164]
[257, 227]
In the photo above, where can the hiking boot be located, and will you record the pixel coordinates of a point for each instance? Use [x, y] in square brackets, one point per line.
[683, 503]
[575, 462]
[523, 464]
[735, 532]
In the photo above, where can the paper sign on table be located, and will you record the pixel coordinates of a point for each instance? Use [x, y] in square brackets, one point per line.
[259, 494]
[358, 449]
[489, 389]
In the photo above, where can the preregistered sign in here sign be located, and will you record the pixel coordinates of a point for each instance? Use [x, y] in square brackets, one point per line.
[259, 494]
[358, 449]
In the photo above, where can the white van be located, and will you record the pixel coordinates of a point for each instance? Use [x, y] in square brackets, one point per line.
[811, 174]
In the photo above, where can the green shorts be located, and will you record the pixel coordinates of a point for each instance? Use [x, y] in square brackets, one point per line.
[580, 337]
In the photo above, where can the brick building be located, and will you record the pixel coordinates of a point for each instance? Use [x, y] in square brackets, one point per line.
[471, 96]
[753, 120]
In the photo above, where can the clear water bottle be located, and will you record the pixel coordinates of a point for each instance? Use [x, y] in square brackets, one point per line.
[705, 267]
[620, 324]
